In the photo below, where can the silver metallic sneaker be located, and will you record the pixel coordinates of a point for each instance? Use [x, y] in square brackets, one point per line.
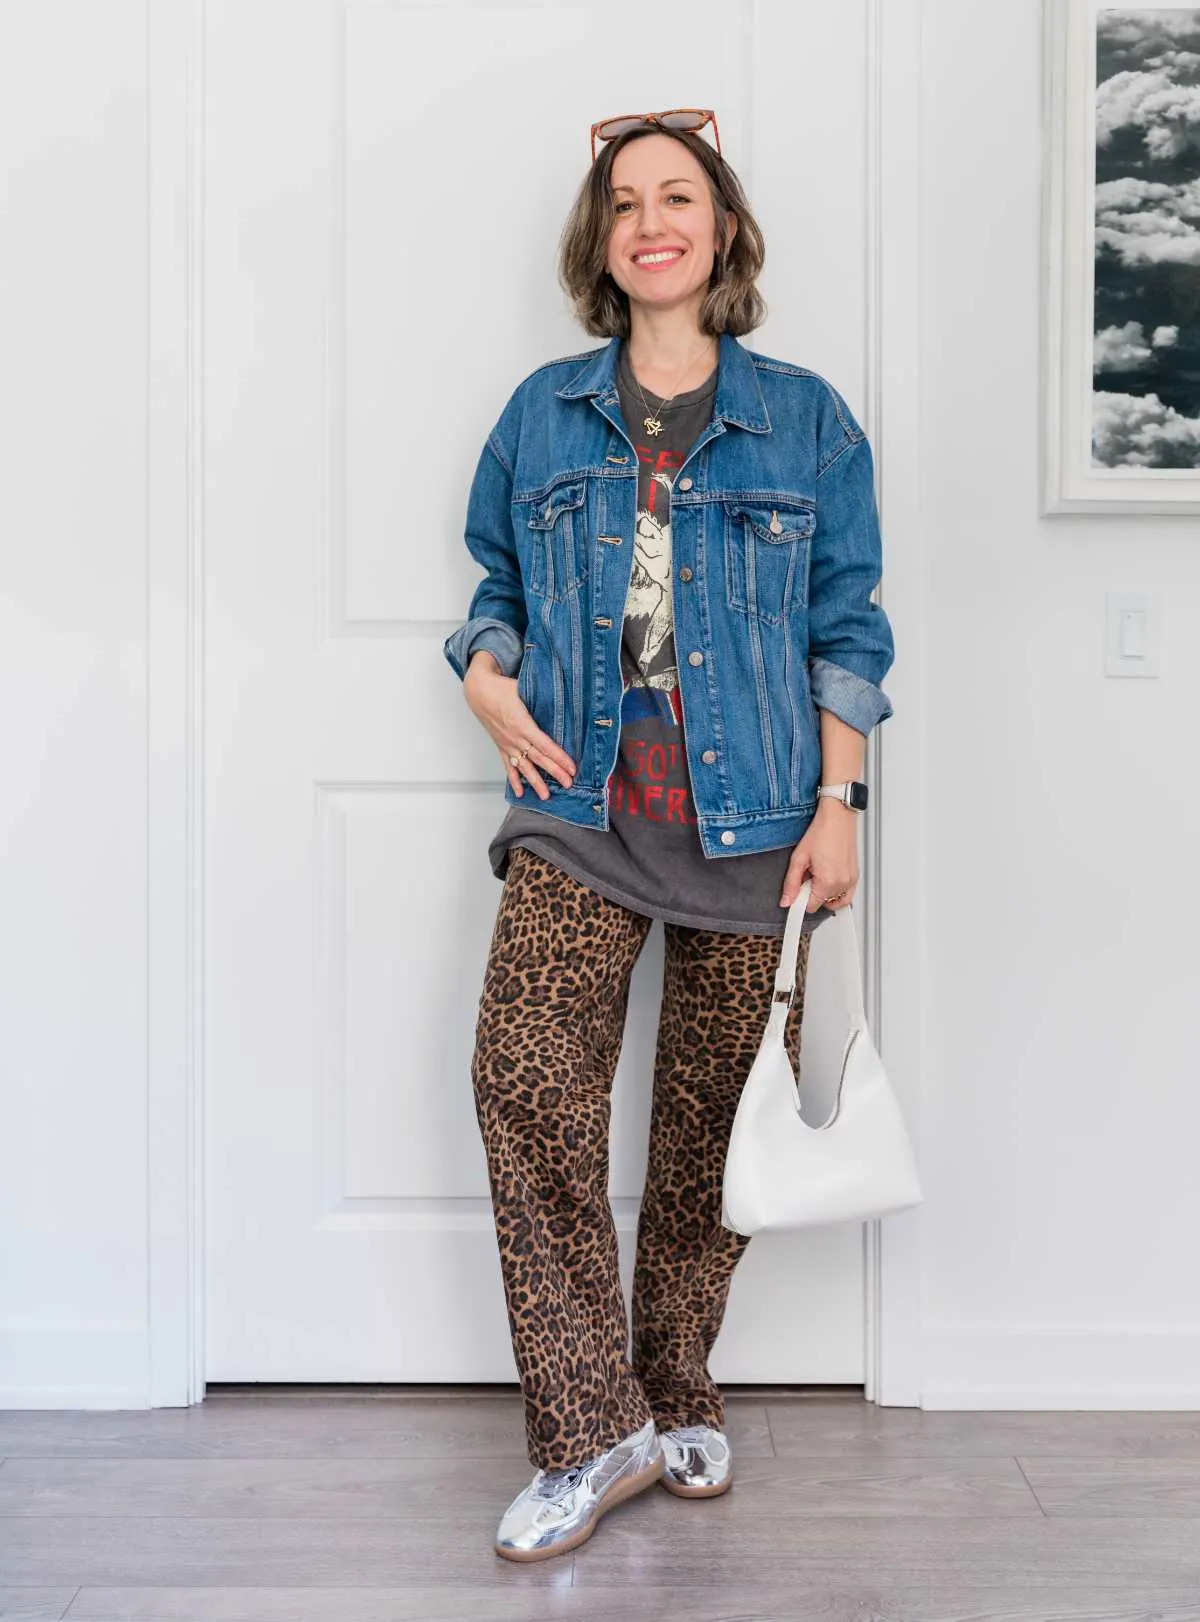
[559, 1508]
[699, 1461]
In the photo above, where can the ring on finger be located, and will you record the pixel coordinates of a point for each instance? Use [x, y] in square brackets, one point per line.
[515, 760]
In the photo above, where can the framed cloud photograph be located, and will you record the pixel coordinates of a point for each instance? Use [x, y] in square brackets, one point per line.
[1121, 259]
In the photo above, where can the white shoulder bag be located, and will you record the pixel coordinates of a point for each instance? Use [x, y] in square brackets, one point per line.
[779, 1171]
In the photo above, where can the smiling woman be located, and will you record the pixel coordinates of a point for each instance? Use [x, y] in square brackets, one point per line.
[670, 484]
[696, 204]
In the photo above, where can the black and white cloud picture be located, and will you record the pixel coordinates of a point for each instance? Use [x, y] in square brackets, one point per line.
[1146, 339]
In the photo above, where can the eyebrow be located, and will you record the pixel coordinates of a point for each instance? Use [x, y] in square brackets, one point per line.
[680, 180]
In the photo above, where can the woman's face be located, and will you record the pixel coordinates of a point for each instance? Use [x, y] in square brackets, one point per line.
[664, 231]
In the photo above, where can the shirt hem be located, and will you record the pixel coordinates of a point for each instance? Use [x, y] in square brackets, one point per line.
[668, 915]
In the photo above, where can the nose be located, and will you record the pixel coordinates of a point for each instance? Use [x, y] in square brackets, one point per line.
[652, 219]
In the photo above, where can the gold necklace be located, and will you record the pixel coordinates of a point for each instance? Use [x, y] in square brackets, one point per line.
[652, 422]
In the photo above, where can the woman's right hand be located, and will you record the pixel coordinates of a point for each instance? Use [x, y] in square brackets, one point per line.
[493, 699]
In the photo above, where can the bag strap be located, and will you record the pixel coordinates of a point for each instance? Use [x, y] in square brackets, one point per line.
[842, 924]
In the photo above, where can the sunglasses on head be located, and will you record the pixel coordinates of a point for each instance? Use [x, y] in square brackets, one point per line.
[678, 118]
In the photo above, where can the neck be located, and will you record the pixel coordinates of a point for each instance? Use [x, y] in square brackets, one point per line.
[663, 342]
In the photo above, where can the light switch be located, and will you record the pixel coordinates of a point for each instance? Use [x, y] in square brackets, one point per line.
[1132, 633]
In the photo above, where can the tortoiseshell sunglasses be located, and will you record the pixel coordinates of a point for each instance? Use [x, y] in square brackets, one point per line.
[678, 118]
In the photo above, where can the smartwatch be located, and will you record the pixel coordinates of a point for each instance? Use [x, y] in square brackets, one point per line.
[853, 795]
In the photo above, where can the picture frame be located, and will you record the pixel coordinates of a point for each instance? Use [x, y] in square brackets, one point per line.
[1120, 346]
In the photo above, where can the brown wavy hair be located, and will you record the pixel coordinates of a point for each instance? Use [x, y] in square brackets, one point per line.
[733, 303]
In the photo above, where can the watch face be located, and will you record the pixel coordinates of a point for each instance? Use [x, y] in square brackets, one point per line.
[858, 796]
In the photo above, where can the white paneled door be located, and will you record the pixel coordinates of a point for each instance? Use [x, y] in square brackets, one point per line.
[383, 186]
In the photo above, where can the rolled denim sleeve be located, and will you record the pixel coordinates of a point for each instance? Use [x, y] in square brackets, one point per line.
[851, 647]
[497, 616]
[495, 636]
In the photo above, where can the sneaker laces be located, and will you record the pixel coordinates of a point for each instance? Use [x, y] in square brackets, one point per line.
[692, 1433]
[554, 1483]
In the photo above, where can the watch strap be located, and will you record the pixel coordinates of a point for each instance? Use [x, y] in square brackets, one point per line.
[845, 792]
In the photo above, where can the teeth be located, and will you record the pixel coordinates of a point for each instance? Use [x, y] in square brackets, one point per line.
[655, 258]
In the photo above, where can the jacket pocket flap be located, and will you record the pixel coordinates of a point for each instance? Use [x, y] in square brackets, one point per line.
[544, 513]
[774, 523]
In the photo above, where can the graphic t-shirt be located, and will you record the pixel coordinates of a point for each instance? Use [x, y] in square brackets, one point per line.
[650, 857]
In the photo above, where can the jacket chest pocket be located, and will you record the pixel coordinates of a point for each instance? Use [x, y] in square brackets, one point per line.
[766, 558]
[557, 540]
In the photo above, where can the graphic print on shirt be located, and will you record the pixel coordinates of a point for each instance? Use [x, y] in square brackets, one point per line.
[650, 779]
[648, 604]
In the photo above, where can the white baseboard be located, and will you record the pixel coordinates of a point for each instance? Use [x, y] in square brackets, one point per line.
[74, 1366]
[75, 1397]
[1150, 1368]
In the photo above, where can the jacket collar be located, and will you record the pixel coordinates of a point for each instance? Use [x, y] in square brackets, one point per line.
[738, 399]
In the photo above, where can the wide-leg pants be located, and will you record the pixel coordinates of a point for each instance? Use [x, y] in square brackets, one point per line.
[550, 1023]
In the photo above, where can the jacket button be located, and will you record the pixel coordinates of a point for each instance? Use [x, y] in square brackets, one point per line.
[599, 807]
[695, 657]
[728, 837]
[685, 573]
[709, 756]
[685, 484]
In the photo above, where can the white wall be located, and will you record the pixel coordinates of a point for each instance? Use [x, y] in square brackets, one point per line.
[73, 1311]
[1059, 1112]
[1060, 1103]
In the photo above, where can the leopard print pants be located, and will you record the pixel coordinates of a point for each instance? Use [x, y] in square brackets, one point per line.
[550, 1023]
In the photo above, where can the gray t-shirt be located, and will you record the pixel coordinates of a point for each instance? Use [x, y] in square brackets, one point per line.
[650, 857]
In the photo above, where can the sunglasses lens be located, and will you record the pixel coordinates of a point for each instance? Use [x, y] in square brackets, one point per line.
[685, 120]
[609, 130]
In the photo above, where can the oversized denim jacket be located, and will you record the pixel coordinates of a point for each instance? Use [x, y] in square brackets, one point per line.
[775, 551]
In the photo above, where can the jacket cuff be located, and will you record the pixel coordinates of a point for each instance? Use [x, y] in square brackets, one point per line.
[853, 699]
[494, 636]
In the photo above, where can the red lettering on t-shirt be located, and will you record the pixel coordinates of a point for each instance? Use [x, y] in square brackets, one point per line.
[677, 805]
[656, 763]
[659, 461]
[652, 793]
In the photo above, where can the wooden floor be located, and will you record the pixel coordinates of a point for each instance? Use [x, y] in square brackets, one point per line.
[381, 1507]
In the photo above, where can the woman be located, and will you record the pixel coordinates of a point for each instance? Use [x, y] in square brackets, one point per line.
[679, 539]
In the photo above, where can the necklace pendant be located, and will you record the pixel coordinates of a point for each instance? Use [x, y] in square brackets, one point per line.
[652, 425]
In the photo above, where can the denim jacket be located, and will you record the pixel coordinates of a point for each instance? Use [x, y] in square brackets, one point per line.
[775, 548]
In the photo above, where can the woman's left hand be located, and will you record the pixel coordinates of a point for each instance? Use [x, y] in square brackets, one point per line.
[829, 852]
